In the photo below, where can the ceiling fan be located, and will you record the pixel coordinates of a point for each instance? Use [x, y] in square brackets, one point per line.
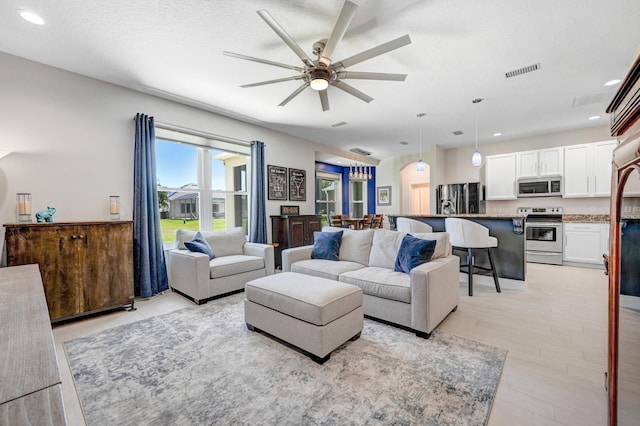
[322, 72]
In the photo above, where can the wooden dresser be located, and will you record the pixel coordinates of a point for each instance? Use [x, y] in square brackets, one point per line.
[293, 231]
[30, 386]
[86, 267]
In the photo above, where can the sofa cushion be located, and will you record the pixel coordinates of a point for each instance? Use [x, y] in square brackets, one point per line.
[355, 245]
[326, 245]
[223, 243]
[380, 282]
[200, 245]
[443, 244]
[324, 268]
[384, 249]
[413, 252]
[234, 264]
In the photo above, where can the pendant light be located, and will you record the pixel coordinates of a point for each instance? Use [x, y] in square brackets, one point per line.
[420, 166]
[476, 158]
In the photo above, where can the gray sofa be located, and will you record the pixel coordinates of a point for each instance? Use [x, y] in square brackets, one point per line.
[236, 262]
[419, 300]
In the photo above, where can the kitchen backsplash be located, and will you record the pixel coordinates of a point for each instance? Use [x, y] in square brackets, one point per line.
[594, 205]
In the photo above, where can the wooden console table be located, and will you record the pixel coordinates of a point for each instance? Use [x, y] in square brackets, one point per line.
[30, 388]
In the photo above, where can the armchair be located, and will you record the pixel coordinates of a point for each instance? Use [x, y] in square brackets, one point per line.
[235, 263]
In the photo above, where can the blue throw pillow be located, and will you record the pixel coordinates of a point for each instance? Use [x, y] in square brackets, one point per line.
[326, 245]
[413, 252]
[200, 245]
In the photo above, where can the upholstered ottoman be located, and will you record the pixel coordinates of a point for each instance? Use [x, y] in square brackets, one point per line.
[315, 314]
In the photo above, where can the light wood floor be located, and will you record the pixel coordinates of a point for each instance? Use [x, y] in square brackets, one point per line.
[555, 331]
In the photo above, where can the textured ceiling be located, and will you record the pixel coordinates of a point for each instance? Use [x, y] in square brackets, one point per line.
[460, 50]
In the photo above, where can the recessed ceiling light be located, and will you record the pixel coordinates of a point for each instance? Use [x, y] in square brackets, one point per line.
[497, 134]
[612, 82]
[404, 143]
[339, 162]
[30, 17]
[594, 117]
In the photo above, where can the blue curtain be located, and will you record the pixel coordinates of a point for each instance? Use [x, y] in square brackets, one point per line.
[150, 270]
[258, 215]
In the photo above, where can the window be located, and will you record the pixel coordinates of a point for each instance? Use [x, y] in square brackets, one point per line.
[200, 178]
[328, 195]
[358, 200]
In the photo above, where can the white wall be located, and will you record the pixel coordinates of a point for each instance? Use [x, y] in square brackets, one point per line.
[73, 141]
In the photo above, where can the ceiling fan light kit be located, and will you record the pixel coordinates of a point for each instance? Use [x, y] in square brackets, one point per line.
[321, 73]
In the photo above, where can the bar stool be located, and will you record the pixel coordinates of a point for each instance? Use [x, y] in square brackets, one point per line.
[467, 235]
[404, 224]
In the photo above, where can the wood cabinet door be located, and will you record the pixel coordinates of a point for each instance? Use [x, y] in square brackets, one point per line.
[54, 249]
[297, 232]
[314, 224]
[106, 265]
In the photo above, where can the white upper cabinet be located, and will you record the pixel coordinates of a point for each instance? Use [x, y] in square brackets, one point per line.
[543, 162]
[500, 177]
[587, 169]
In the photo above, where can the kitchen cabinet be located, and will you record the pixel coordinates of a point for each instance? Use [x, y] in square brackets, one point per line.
[583, 242]
[293, 231]
[543, 162]
[500, 177]
[86, 267]
[587, 169]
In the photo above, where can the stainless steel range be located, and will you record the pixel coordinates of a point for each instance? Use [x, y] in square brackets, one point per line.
[543, 229]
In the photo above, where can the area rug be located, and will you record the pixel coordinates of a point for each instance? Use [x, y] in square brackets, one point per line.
[201, 365]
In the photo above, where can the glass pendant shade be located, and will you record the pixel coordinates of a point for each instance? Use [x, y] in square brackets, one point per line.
[420, 166]
[476, 159]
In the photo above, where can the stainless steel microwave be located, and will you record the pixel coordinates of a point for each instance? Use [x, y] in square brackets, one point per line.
[540, 187]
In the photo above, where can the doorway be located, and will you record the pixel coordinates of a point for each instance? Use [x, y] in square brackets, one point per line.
[415, 189]
[420, 202]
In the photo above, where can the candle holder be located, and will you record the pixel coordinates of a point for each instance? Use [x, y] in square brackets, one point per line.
[24, 207]
[114, 207]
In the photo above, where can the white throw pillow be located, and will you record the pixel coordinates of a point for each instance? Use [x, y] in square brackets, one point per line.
[443, 246]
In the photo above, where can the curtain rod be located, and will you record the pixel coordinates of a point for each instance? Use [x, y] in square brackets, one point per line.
[194, 132]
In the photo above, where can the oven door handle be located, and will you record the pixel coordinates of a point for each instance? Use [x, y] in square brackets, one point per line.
[534, 224]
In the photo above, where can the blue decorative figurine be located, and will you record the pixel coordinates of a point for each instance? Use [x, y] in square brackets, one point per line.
[46, 215]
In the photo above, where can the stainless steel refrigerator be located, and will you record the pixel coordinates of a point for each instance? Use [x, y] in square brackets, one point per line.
[460, 198]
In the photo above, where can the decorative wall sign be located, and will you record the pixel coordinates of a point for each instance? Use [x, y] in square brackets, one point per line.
[289, 210]
[277, 183]
[297, 185]
[384, 196]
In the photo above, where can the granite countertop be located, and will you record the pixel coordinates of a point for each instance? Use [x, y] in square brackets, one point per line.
[472, 215]
[585, 218]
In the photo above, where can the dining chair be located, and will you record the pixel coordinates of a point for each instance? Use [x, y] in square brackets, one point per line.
[377, 220]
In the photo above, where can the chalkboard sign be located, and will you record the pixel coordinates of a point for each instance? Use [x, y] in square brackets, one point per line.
[297, 185]
[277, 183]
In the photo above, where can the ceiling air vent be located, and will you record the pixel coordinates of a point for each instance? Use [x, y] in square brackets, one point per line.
[342, 123]
[523, 70]
[360, 151]
[594, 98]
[458, 132]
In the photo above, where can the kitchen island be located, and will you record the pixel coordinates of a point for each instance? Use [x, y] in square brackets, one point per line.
[509, 256]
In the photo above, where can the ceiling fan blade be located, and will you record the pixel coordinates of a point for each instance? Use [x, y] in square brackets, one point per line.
[344, 19]
[275, 26]
[373, 52]
[278, 80]
[294, 94]
[263, 61]
[356, 75]
[352, 90]
[324, 100]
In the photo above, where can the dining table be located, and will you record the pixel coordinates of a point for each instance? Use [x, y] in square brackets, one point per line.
[354, 222]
